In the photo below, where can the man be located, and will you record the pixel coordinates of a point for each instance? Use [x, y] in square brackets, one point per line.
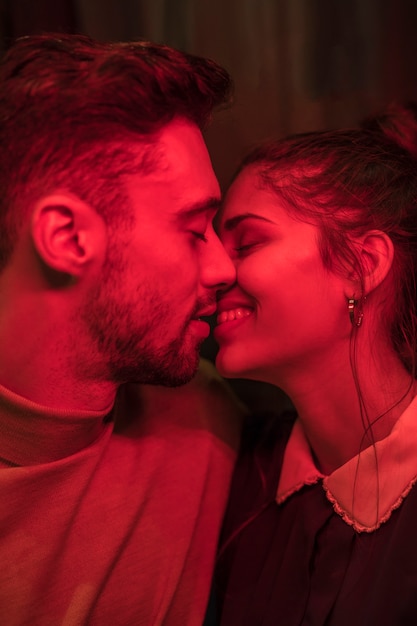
[108, 262]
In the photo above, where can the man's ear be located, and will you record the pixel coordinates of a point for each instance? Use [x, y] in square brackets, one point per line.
[68, 234]
[376, 253]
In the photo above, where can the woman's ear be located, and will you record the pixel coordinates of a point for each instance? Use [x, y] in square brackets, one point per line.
[68, 234]
[376, 253]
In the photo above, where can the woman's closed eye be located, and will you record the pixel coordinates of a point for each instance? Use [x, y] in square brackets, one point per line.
[247, 238]
[245, 245]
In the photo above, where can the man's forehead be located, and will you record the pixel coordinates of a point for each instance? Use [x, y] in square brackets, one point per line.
[180, 144]
[180, 172]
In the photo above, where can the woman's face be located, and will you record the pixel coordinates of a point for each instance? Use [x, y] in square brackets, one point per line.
[286, 309]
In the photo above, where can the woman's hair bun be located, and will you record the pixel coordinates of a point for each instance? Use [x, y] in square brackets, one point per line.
[399, 124]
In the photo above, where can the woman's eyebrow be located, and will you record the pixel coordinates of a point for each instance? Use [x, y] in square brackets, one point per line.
[233, 222]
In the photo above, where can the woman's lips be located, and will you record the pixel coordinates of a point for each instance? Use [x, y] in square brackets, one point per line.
[232, 314]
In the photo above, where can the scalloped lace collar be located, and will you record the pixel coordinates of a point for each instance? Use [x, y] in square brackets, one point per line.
[365, 490]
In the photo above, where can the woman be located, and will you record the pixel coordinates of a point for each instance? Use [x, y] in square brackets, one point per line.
[322, 522]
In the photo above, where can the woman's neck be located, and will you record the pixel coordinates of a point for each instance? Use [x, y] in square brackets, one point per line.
[345, 410]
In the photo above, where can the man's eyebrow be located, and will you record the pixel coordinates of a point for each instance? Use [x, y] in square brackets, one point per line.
[233, 222]
[209, 204]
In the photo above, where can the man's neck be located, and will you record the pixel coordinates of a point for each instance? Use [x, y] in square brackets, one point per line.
[31, 434]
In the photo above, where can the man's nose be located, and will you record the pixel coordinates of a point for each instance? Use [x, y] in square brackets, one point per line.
[218, 270]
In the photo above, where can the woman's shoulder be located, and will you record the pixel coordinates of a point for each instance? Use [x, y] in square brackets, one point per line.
[266, 433]
[256, 474]
[263, 442]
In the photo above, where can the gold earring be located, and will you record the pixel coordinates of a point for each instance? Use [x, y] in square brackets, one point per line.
[355, 314]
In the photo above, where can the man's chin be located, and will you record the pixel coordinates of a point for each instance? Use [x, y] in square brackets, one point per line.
[172, 370]
[181, 373]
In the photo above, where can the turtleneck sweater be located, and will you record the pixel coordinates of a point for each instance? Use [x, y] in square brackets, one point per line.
[101, 526]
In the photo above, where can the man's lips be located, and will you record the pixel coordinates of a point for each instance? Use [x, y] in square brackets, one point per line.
[199, 322]
[205, 312]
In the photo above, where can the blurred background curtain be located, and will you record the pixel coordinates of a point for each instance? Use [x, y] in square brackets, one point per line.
[297, 64]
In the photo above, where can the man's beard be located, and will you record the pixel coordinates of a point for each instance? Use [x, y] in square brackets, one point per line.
[129, 334]
[170, 368]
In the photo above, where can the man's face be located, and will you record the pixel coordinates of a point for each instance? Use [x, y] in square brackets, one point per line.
[163, 274]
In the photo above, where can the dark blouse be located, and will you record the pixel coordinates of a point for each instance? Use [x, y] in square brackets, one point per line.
[299, 563]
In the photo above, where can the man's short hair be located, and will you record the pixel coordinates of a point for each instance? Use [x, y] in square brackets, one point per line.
[72, 109]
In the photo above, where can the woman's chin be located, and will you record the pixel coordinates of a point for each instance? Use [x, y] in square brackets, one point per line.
[229, 366]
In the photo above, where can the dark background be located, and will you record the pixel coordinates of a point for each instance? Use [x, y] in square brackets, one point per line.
[298, 65]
